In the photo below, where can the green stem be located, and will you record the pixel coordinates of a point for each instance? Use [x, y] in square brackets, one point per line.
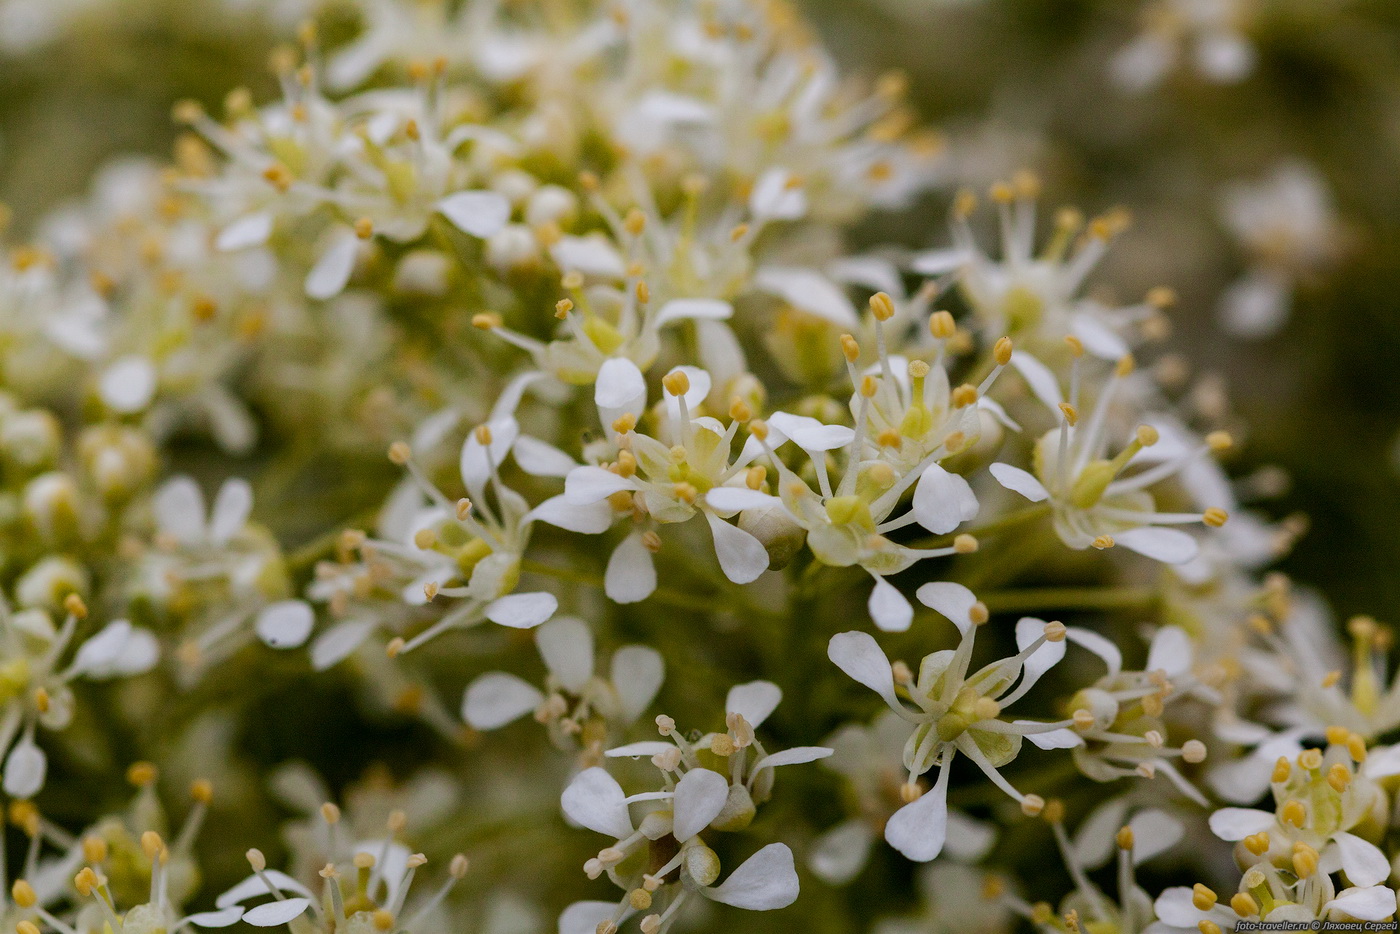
[1069, 598]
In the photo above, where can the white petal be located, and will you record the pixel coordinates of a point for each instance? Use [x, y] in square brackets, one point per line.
[216, 919]
[1363, 862]
[810, 434]
[889, 608]
[128, 385]
[478, 460]
[732, 499]
[479, 213]
[179, 509]
[1038, 376]
[767, 880]
[631, 572]
[590, 484]
[943, 500]
[1054, 739]
[285, 624]
[272, 914]
[840, 854]
[1367, 904]
[522, 610]
[797, 755]
[1154, 832]
[333, 645]
[249, 230]
[755, 701]
[919, 829]
[1094, 841]
[1174, 907]
[968, 839]
[636, 673]
[775, 197]
[860, 657]
[1255, 306]
[566, 645]
[497, 698]
[1100, 646]
[1019, 481]
[1170, 651]
[809, 291]
[541, 459]
[1029, 629]
[700, 383]
[103, 648]
[592, 256]
[595, 800]
[332, 271]
[704, 309]
[620, 388]
[742, 557]
[138, 656]
[584, 917]
[253, 886]
[1235, 824]
[1170, 546]
[937, 262]
[591, 518]
[700, 796]
[952, 600]
[25, 769]
[232, 505]
[637, 750]
[1097, 338]
[1382, 761]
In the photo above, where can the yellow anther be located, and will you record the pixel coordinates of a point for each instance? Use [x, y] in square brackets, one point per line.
[1257, 843]
[463, 509]
[562, 308]
[1002, 193]
[1215, 517]
[23, 893]
[758, 428]
[1220, 441]
[624, 423]
[94, 849]
[910, 791]
[41, 700]
[572, 280]
[965, 544]
[1331, 678]
[1103, 542]
[395, 647]
[1070, 413]
[1161, 297]
[1125, 366]
[685, 492]
[721, 744]
[141, 774]
[639, 899]
[1075, 345]
[739, 232]
[1310, 759]
[881, 306]
[399, 453]
[964, 203]
[458, 866]
[202, 790]
[425, 538]
[1193, 751]
[1031, 805]
[978, 613]
[1125, 838]
[486, 320]
[1339, 777]
[151, 844]
[1054, 631]
[1304, 860]
[986, 709]
[850, 349]
[1356, 747]
[364, 228]
[1244, 905]
[27, 927]
[869, 386]
[1281, 770]
[1207, 926]
[1054, 812]
[635, 222]
[642, 291]
[1294, 812]
[1083, 719]
[942, 325]
[755, 476]
[676, 382]
[383, 919]
[1203, 897]
[75, 606]
[1147, 435]
[964, 396]
[1001, 351]
[739, 410]
[651, 541]
[1337, 735]
[626, 464]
